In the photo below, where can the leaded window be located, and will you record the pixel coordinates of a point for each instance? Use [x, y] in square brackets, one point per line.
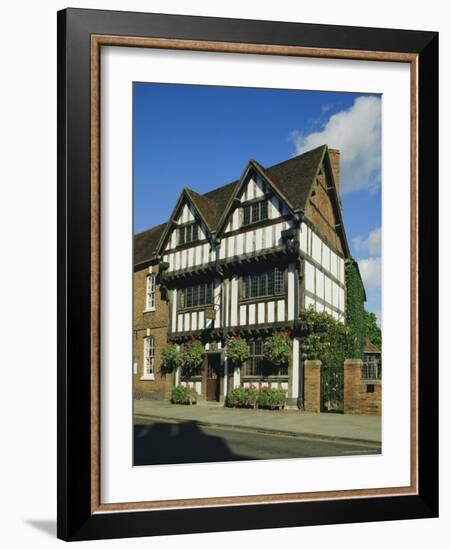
[253, 366]
[195, 296]
[188, 233]
[258, 366]
[266, 283]
[255, 212]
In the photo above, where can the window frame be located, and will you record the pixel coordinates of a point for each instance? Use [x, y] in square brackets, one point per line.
[258, 362]
[150, 292]
[187, 294]
[150, 356]
[193, 228]
[248, 207]
[273, 279]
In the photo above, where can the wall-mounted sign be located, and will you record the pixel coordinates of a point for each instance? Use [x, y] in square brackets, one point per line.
[210, 313]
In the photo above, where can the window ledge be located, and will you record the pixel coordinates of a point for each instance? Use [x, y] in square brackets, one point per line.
[148, 377]
[149, 310]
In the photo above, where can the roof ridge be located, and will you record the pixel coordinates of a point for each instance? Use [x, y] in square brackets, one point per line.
[150, 229]
[295, 157]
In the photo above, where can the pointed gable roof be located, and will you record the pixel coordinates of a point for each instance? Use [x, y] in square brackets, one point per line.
[294, 177]
[207, 208]
[291, 179]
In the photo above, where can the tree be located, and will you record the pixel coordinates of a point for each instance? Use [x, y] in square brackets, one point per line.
[372, 330]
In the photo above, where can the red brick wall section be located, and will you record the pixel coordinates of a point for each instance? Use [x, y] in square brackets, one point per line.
[156, 323]
[357, 399]
[312, 386]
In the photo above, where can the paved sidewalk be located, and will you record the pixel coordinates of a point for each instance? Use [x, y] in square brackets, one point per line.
[325, 425]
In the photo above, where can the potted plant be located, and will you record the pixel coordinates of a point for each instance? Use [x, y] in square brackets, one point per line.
[277, 349]
[171, 359]
[192, 358]
[238, 351]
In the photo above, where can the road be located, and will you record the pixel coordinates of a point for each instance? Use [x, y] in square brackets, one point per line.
[174, 442]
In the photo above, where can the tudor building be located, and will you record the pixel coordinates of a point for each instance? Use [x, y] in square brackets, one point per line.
[246, 259]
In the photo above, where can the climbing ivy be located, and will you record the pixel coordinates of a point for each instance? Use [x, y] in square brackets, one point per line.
[354, 312]
[324, 338]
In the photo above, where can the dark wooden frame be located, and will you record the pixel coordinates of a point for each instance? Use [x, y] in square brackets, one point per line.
[80, 34]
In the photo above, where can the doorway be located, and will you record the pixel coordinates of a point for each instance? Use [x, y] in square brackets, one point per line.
[213, 368]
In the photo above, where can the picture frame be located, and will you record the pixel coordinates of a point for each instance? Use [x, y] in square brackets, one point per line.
[81, 35]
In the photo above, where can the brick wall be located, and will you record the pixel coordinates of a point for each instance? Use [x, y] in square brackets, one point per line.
[320, 212]
[312, 386]
[360, 396]
[152, 323]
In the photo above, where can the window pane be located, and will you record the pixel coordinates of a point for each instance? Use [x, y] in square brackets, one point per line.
[246, 286]
[262, 291]
[255, 211]
[263, 212]
[279, 281]
[246, 215]
[270, 281]
[209, 293]
[201, 299]
[189, 297]
[195, 296]
[181, 235]
[181, 298]
[254, 286]
[195, 232]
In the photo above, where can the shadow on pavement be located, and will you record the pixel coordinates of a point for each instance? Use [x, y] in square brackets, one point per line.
[180, 443]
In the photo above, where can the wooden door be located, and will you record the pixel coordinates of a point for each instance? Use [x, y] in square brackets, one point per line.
[213, 377]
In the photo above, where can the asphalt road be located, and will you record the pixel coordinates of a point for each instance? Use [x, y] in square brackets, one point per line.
[161, 442]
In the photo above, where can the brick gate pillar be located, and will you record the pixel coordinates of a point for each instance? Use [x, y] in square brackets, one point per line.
[312, 385]
[352, 380]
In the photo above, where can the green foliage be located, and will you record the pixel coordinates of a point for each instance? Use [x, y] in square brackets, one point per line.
[184, 395]
[170, 358]
[238, 351]
[242, 397]
[323, 337]
[372, 330]
[272, 399]
[277, 349]
[251, 398]
[355, 313]
[192, 358]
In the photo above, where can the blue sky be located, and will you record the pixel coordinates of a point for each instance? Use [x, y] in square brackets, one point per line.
[202, 137]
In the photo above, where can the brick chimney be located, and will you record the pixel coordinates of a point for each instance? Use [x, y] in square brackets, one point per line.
[335, 159]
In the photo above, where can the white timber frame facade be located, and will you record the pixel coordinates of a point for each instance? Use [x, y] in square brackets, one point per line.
[248, 264]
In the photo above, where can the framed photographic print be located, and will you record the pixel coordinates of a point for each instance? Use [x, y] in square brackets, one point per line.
[247, 274]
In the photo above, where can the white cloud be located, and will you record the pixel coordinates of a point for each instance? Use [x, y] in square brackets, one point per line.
[356, 132]
[370, 269]
[370, 244]
[379, 318]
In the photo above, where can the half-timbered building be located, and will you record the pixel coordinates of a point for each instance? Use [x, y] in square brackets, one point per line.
[246, 259]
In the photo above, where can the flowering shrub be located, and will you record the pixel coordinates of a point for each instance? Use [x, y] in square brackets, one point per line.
[238, 351]
[192, 358]
[170, 358]
[183, 395]
[277, 349]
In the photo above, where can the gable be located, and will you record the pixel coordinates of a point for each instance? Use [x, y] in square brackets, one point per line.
[321, 210]
[254, 187]
[185, 213]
